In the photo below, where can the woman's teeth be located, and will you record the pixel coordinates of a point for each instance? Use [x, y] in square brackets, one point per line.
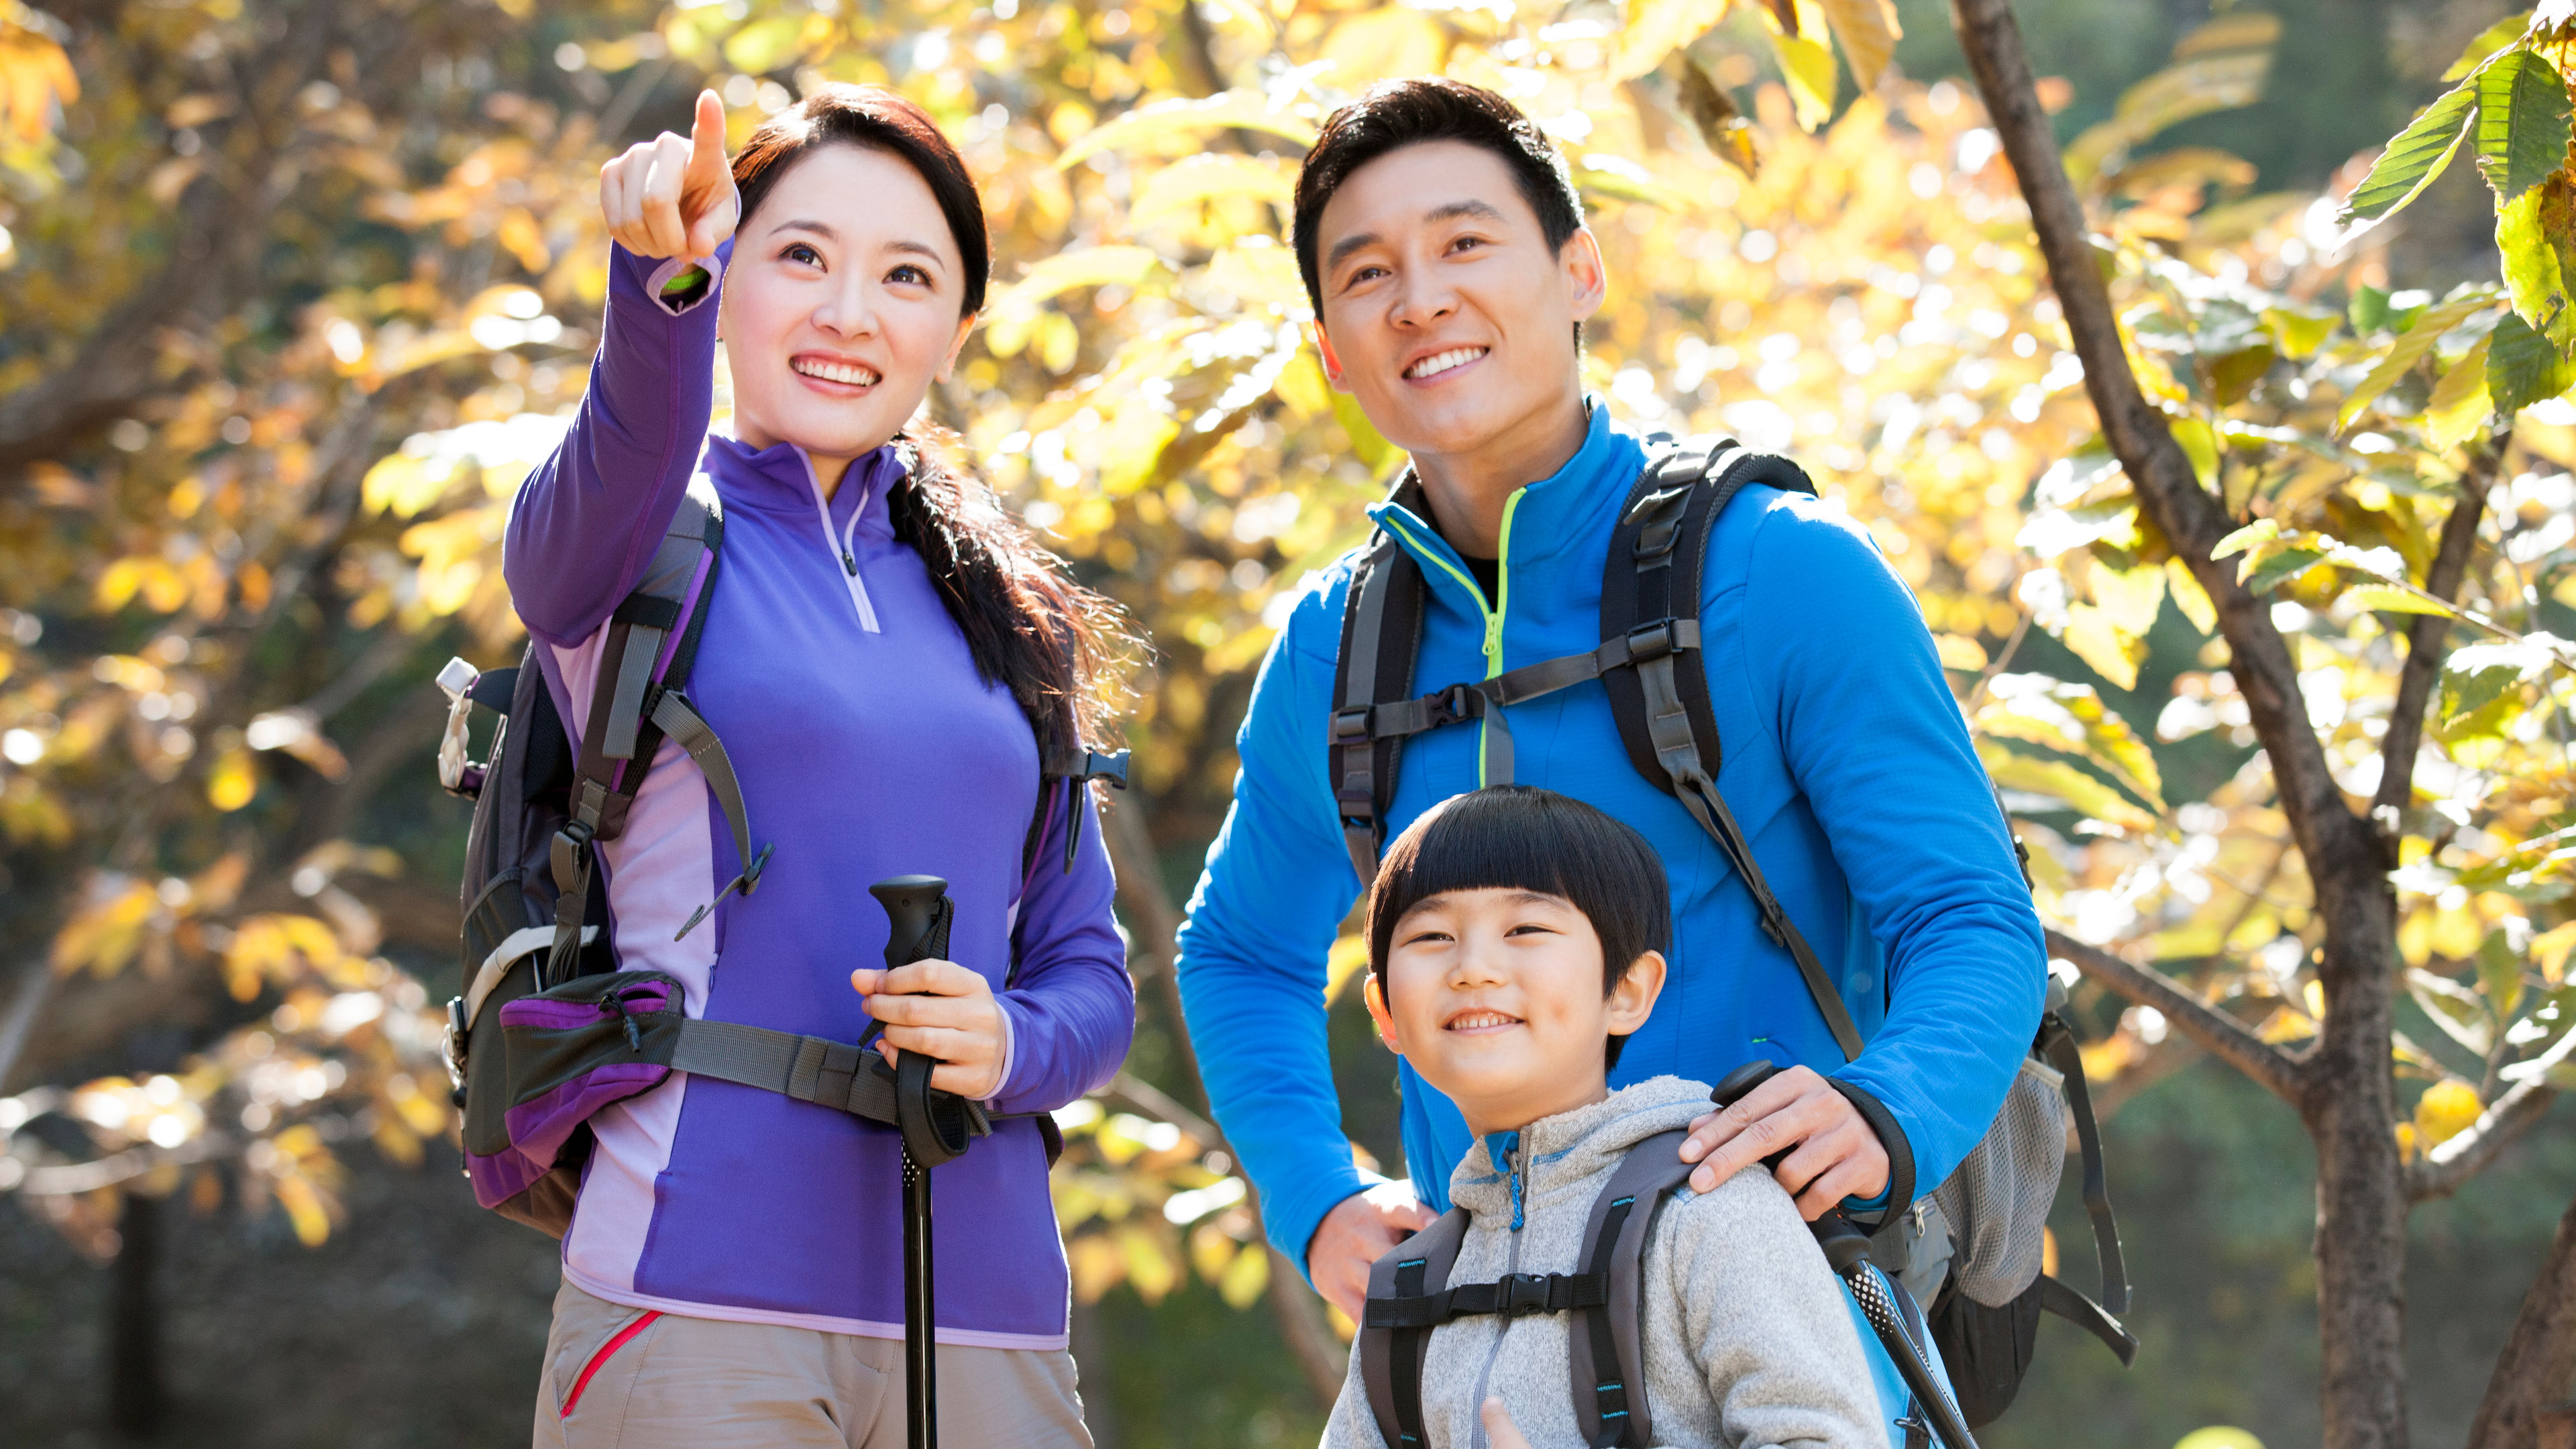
[846, 372]
[1441, 362]
[1480, 1020]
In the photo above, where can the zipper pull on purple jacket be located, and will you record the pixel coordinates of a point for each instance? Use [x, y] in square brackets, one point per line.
[849, 565]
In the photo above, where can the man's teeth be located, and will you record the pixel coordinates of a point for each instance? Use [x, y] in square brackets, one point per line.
[1441, 362]
[835, 371]
[1475, 1021]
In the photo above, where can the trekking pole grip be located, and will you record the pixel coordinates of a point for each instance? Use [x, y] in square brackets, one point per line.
[919, 913]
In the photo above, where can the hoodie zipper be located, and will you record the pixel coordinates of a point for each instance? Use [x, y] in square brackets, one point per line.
[842, 548]
[1515, 1166]
[1493, 616]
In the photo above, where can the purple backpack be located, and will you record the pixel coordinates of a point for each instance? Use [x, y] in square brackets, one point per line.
[547, 1030]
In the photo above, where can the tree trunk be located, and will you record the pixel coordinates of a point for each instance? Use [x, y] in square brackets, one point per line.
[2346, 1091]
[135, 1402]
[2527, 1400]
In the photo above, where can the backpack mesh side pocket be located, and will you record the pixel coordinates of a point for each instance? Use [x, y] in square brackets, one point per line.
[1997, 1201]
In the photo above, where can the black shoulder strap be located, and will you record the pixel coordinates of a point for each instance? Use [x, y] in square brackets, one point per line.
[639, 698]
[1651, 580]
[2057, 1047]
[1067, 777]
[1391, 1358]
[1605, 1351]
[1381, 633]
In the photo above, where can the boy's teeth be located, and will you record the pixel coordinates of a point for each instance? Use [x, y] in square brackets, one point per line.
[1481, 1019]
[1438, 363]
[836, 372]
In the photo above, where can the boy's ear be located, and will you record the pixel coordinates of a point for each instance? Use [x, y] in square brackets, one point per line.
[1633, 999]
[1373, 991]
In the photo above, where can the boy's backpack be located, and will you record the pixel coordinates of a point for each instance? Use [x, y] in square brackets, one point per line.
[1973, 1247]
[1410, 1296]
[532, 1053]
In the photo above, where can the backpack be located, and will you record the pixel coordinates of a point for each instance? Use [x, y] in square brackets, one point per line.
[533, 1053]
[1410, 1297]
[1974, 1246]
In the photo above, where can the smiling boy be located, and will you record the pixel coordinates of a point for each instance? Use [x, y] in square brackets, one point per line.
[1444, 247]
[1515, 942]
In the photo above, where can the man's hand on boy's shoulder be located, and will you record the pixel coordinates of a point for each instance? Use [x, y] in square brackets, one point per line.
[1358, 1231]
[1837, 1156]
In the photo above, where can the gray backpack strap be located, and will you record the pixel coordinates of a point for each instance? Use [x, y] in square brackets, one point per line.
[1381, 632]
[1605, 1350]
[1391, 1359]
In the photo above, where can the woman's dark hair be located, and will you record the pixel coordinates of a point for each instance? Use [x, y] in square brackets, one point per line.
[1517, 837]
[1055, 644]
[1398, 113]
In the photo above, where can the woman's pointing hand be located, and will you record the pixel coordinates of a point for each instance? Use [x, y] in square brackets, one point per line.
[673, 196]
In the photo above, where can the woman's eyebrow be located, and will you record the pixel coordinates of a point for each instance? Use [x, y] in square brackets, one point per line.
[822, 229]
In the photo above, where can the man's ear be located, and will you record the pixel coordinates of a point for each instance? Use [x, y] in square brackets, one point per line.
[1586, 276]
[1373, 991]
[1633, 999]
[1332, 361]
[957, 344]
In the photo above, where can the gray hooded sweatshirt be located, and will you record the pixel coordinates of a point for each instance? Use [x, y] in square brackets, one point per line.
[1749, 1341]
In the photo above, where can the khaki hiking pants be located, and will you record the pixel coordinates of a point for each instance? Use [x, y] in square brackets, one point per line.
[628, 1378]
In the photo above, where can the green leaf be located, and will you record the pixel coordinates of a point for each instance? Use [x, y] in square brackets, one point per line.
[2522, 122]
[2417, 154]
[2071, 718]
[2460, 402]
[2461, 1013]
[2369, 309]
[2407, 350]
[2298, 332]
[2245, 538]
[2524, 367]
[2390, 599]
[2087, 794]
[2533, 233]
[1164, 120]
[2500, 975]
[2494, 38]
[2281, 567]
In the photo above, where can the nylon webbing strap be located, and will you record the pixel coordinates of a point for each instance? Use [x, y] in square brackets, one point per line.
[1709, 809]
[1610, 1388]
[2057, 1045]
[1518, 1294]
[676, 717]
[1410, 1346]
[2056, 1297]
[642, 650]
[833, 1074]
[1356, 789]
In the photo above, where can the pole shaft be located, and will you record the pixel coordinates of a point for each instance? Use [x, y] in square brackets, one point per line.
[920, 1357]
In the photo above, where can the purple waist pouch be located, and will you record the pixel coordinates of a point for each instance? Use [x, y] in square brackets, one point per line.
[569, 1052]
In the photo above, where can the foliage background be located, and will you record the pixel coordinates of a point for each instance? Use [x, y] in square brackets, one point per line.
[293, 290]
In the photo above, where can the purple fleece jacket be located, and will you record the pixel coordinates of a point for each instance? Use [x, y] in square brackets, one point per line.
[867, 747]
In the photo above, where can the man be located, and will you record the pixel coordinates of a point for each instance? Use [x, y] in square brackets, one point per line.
[1443, 245]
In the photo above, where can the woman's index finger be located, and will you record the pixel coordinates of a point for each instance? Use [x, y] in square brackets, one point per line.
[707, 134]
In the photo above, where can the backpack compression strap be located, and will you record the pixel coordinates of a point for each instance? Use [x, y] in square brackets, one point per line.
[1381, 632]
[1391, 1359]
[1606, 1355]
[638, 700]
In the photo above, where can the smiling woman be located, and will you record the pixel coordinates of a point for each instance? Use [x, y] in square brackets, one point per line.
[905, 683]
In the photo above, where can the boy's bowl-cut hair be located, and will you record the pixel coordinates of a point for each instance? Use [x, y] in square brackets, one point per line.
[1398, 113]
[1518, 837]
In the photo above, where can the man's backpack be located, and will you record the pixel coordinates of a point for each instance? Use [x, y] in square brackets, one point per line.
[547, 1030]
[1973, 1247]
[1410, 1296]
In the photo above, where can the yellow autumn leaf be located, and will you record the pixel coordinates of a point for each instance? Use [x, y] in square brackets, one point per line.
[2447, 1109]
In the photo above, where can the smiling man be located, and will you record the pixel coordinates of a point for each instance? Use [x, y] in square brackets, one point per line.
[1444, 248]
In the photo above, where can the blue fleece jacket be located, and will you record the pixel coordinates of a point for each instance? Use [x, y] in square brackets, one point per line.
[1846, 762]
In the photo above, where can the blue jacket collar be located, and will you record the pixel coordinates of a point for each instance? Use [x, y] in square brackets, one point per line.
[1545, 522]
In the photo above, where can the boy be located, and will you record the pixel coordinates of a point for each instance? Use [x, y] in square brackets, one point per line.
[1515, 941]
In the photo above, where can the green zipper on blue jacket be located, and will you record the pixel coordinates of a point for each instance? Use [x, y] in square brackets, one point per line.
[1493, 616]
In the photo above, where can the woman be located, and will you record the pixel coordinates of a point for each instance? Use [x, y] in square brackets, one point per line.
[887, 658]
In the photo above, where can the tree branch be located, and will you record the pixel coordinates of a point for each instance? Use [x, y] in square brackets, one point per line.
[2168, 488]
[2526, 1396]
[2425, 636]
[2442, 1171]
[2221, 1035]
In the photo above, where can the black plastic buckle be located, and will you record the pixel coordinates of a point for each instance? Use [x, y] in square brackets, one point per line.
[1351, 724]
[1524, 1293]
[1653, 641]
[1454, 705]
[1109, 769]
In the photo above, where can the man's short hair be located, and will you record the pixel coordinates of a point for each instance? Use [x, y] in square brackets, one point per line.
[1398, 113]
[1517, 837]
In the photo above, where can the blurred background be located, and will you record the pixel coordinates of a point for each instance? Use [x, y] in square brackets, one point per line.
[293, 292]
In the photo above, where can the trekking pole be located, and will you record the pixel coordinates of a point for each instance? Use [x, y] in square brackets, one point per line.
[919, 911]
[1847, 1253]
